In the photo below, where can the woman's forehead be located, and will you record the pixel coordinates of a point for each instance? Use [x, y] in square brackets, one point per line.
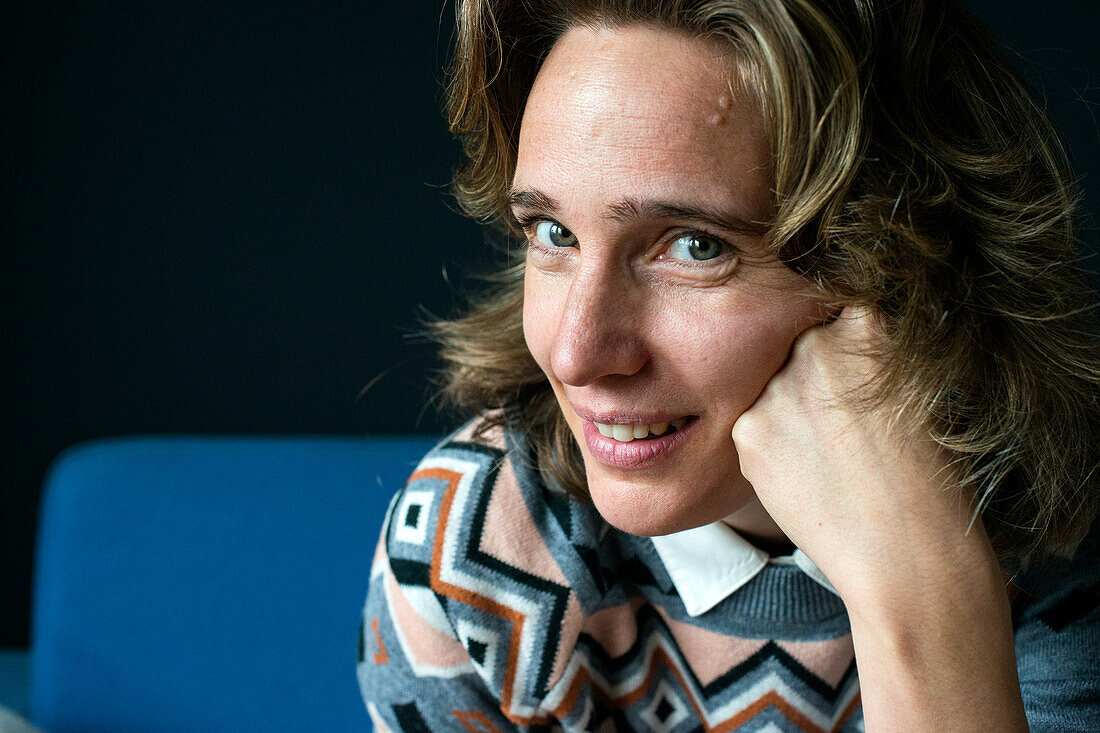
[590, 63]
[640, 111]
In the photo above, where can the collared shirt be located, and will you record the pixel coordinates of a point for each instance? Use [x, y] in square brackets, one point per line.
[709, 563]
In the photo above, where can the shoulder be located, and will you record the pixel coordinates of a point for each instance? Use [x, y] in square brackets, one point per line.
[1058, 639]
[476, 500]
[1061, 592]
[447, 495]
[477, 506]
[461, 468]
[478, 535]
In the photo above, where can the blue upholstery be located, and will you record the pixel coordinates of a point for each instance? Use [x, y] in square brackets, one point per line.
[198, 583]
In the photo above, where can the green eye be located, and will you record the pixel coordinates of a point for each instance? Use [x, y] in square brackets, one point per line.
[553, 234]
[696, 247]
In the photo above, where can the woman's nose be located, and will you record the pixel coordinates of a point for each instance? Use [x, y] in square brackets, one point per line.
[600, 329]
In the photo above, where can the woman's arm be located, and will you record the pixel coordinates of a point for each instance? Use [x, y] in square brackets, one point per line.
[869, 501]
[415, 674]
[934, 644]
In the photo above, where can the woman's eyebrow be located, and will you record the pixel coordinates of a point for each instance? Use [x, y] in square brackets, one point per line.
[532, 199]
[632, 209]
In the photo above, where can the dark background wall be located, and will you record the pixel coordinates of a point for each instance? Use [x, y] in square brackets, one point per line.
[229, 217]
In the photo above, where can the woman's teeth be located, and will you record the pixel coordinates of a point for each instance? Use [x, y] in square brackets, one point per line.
[627, 433]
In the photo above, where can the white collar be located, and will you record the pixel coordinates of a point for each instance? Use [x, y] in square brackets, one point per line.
[709, 563]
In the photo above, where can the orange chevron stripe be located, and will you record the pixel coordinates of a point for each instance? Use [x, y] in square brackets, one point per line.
[659, 657]
[771, 699]
[380, 656]
[475, 721]
[857, 700]
[465, 595]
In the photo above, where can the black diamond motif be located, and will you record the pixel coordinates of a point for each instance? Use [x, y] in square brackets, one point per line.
[559, 507]
[409, 718]
[412, 516]
[477, 650]
[664, 709]
[596, 719]
[591, 560]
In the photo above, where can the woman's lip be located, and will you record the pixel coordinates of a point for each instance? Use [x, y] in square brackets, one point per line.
[637, 453]
[624, 418]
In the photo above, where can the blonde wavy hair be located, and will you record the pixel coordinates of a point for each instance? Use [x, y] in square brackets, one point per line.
[913, 172]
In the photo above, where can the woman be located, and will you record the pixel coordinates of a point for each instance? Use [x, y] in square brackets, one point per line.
[795, 371]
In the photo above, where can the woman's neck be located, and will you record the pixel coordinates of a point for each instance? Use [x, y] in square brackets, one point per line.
[755, 525]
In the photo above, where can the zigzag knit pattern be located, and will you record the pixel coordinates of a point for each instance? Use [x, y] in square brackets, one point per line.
[496, 604]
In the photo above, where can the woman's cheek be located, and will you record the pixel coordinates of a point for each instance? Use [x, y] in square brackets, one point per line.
[539, 321]
[731, 358]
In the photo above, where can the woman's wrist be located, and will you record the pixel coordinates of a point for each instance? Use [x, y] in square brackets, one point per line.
[934, 647]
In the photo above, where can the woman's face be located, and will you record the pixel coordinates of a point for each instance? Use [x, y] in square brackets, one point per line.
[649, 299]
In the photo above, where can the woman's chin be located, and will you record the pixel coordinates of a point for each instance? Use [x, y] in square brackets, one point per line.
[652, 510]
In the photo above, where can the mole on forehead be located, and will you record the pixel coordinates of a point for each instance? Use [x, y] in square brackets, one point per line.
[725, 104]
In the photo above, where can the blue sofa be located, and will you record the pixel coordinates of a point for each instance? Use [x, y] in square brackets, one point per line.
[208, 583]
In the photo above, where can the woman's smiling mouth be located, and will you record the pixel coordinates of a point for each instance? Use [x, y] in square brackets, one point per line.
[641, 445]
[625, 433]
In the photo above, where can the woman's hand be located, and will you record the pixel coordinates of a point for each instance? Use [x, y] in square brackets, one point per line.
[857, 489]
[870, 498]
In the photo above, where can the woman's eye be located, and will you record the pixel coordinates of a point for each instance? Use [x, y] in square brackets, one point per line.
[695, 247]
[553, 234]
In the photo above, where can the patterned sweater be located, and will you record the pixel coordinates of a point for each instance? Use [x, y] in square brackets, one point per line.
[498, 605]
